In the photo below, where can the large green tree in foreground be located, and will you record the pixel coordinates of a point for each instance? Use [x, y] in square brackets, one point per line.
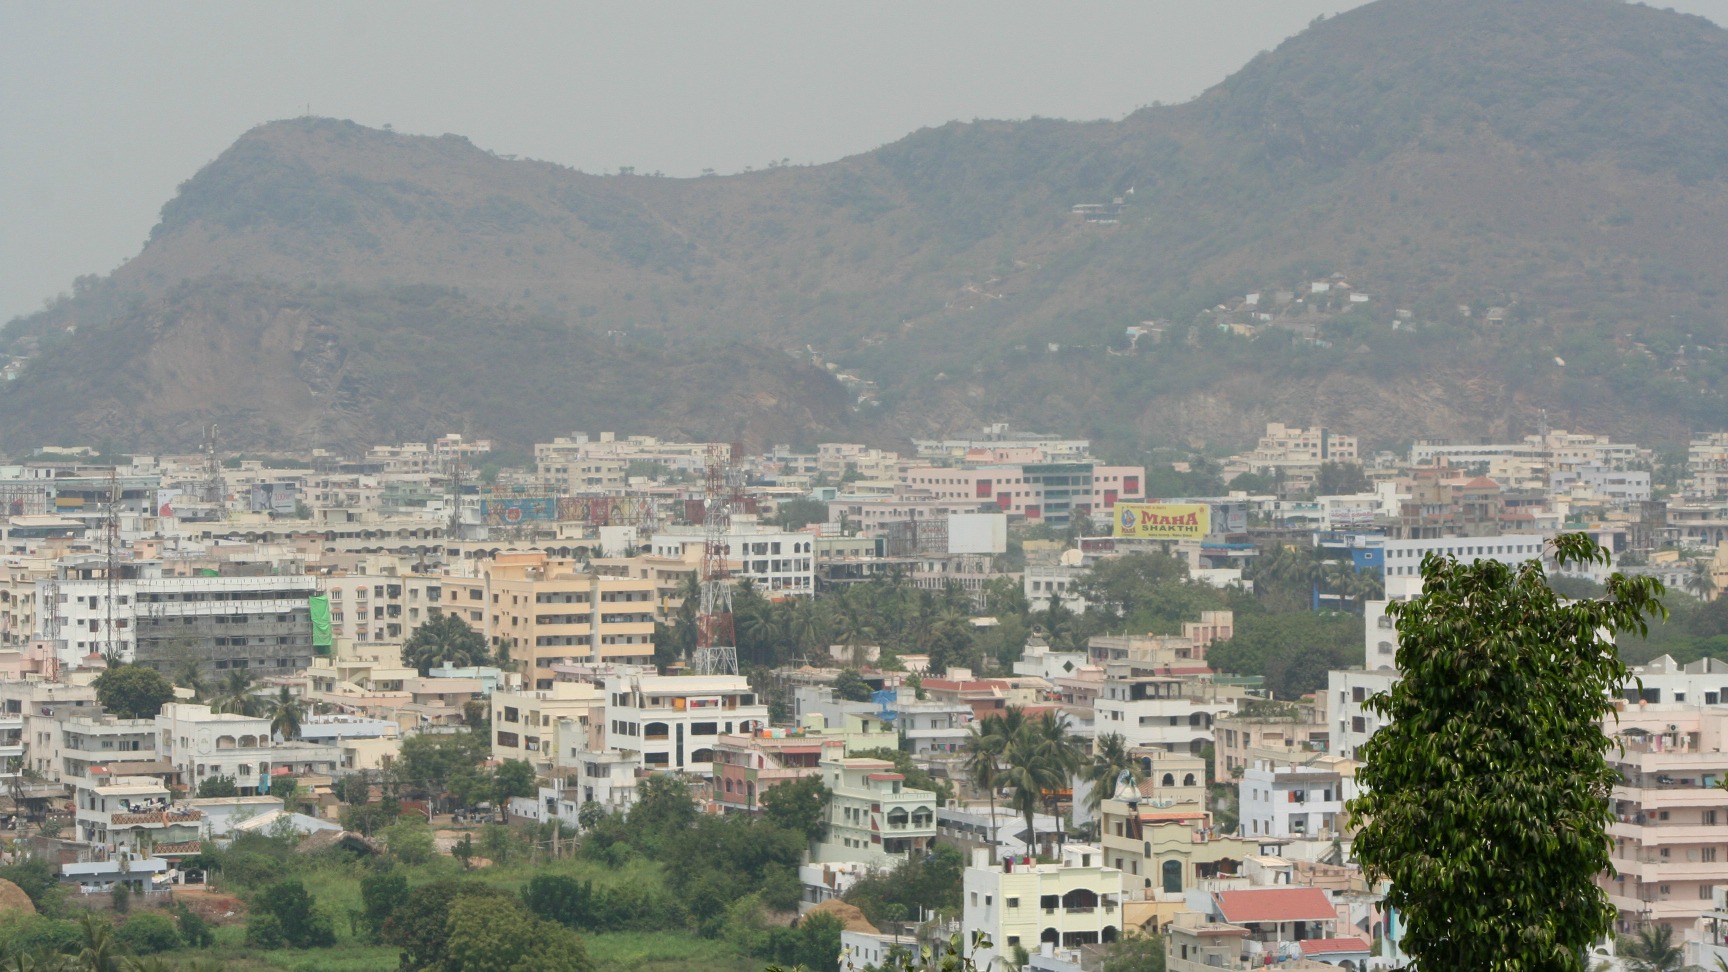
[1486, 797]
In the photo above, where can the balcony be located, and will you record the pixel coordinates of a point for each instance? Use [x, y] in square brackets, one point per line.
[1656, 833]
[155, 818]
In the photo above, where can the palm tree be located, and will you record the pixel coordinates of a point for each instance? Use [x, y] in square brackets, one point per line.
[855, 633]
[1653, 949]
[286, 713]
[234, 695]
[1062, 756]
[1701, 579]
[189, 676]
[1110, 759]
[983, 749]
[101, 951]
[809, 625]
[1038, 756]
[757, 632]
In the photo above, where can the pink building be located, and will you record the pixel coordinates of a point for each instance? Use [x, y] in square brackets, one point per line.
[748, 765]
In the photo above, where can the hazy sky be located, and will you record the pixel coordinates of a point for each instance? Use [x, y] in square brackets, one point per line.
[106, 107]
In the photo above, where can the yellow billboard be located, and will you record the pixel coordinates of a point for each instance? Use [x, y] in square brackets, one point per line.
[1162, 521]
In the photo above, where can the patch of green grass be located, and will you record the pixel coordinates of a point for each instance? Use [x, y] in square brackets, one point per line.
[665, 952]
[352, 957]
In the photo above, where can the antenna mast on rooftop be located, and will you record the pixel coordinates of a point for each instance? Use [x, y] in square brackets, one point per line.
[454, 530]
[716, 645]
[111, 550]
[213, 487]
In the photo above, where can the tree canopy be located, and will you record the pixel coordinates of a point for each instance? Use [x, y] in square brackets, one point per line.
[444, 638]
[133, 691]
[1486, 797]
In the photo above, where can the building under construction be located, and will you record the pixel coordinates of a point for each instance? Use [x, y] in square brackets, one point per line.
[258, 624]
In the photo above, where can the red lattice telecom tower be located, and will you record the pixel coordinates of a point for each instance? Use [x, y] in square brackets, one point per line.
[716, 644]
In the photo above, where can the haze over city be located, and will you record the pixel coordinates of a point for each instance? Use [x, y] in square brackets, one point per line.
[987, 487]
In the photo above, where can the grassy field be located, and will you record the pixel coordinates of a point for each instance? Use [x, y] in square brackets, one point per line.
[337, 890]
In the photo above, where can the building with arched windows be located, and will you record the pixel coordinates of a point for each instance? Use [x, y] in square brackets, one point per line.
[1018, 903]
[873, 816]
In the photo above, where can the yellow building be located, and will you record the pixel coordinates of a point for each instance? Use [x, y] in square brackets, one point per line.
[538, 726]
[547, 611]
[1162, 851]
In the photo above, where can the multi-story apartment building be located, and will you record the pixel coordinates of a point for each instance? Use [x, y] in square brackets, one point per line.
[1295, 454]
[1403, 558]
[136, 813]
[1017, 903]
[779, 563]
[1297, 730]
[201, 744]
[674, 722]
[1163, 851]
[94, 745]
[545, 611]
[1348, 692]
[18, 595]
[1174, 714]
[379, 604]
[541, 725]
[1045, 492]
[749, 765]
[1670, 831]
[1291, 800]
[873, 816]
[261, 624]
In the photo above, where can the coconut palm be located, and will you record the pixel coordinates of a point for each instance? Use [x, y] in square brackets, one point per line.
[1654, 949]
[188, 675]
[1110, 759]
[1062, 757]
[983, 750]
[1027, 776]
[1701, 579]
[234, 694]
[808, 625]
[286, 713]
[101, 951]
[854, 631]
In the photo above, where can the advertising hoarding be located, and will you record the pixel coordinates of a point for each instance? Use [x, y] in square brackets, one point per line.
[1162, 521]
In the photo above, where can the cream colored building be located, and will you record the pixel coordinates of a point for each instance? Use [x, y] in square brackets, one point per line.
[540, 725]
[873, 816]
[546, 611]
[1074, 903]
[1670, 831]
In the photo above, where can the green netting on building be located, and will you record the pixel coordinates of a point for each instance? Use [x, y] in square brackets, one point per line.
[321, 638]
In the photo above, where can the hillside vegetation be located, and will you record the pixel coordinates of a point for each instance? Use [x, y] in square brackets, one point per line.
[324, 284]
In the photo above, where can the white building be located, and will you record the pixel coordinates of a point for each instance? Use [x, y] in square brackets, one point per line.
[1040, 661]
[1295, 801]
[258, 624]
[1040, 584]
[674, 721]
[1348, 691]
[777, 562]
[1155, 712]
[1404, 557]
[203, 744]
[134, 812]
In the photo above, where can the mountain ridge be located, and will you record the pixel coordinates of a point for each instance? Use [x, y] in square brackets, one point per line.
[1563, 158]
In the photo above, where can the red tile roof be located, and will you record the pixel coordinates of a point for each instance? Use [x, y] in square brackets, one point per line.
[1275, 904]
[1328, 946]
